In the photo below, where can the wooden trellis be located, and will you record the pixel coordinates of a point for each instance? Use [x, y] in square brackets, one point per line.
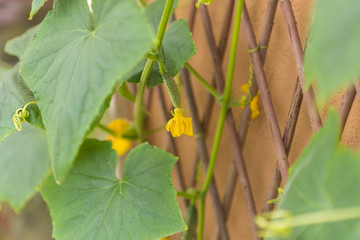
[282, 143]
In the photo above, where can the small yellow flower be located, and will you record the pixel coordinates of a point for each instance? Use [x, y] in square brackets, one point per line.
[119, 144]
[254, 106]
[245, 87]
[243, 101]
[179, 124]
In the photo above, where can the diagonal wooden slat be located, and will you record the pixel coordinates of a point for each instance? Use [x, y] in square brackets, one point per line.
[346, 105]
[224, 35]
[204, 154]
[265, 96]
[245, 116]
[344, 111]
[309, 97]
[230, 123]
[287, 138]
[290, 125]
[357, 87]
[202, 148]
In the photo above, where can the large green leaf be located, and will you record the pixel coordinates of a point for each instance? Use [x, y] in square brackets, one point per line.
[93, 204]
[325, 177]
[177, 48]
[332, 55]
[73, 64]
[20, 44]
[35, 7]
[24, 163]
[14, 94]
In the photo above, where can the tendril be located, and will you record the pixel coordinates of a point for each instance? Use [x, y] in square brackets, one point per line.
[20, 116]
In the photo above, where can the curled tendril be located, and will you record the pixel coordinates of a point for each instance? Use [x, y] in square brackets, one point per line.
[20, 116]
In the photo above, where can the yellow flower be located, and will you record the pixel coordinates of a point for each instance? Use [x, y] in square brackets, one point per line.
[245, 87]
[179, 124]
[254, 106]
[243, 101]
[119, 144]
[165, 238]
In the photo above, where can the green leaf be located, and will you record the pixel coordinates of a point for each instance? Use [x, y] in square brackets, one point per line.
[125, 92]
[93, 204]
[332, 55]
[35, 7]
[177, 48]
[24, 163]
[99, 116]
[191, 221]
[14, 94]
[18, 46]
[326, 177]
[73, 65]
[154, 12]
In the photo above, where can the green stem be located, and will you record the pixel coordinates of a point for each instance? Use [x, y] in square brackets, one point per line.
[326, 216]
[162, 27]
[139, 100]
[208, 86]
[170, 84]
[185, 195]
[155, 130]
[281, 222]
[106, 129]
[223, 113]
[201, 218]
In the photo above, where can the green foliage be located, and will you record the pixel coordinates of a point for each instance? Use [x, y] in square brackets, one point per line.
[35, 7]
[191, 222]
[177, 47]
[154, 12]
[14, 94]
[331, 58]
[24, 163]
[73, 64]
[325, 177]
[125, 92]
[93, 204]
[19, 45]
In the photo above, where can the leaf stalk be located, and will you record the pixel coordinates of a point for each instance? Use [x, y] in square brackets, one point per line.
[139, 100]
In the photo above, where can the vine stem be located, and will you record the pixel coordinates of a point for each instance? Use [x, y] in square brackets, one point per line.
[106, 129]
[139, 100]
[202, 153]
[223, 113]
[207, 85]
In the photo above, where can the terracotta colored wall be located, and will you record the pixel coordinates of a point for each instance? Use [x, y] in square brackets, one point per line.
[259, 151]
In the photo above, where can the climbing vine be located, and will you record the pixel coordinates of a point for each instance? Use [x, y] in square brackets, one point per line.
[73, 62]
